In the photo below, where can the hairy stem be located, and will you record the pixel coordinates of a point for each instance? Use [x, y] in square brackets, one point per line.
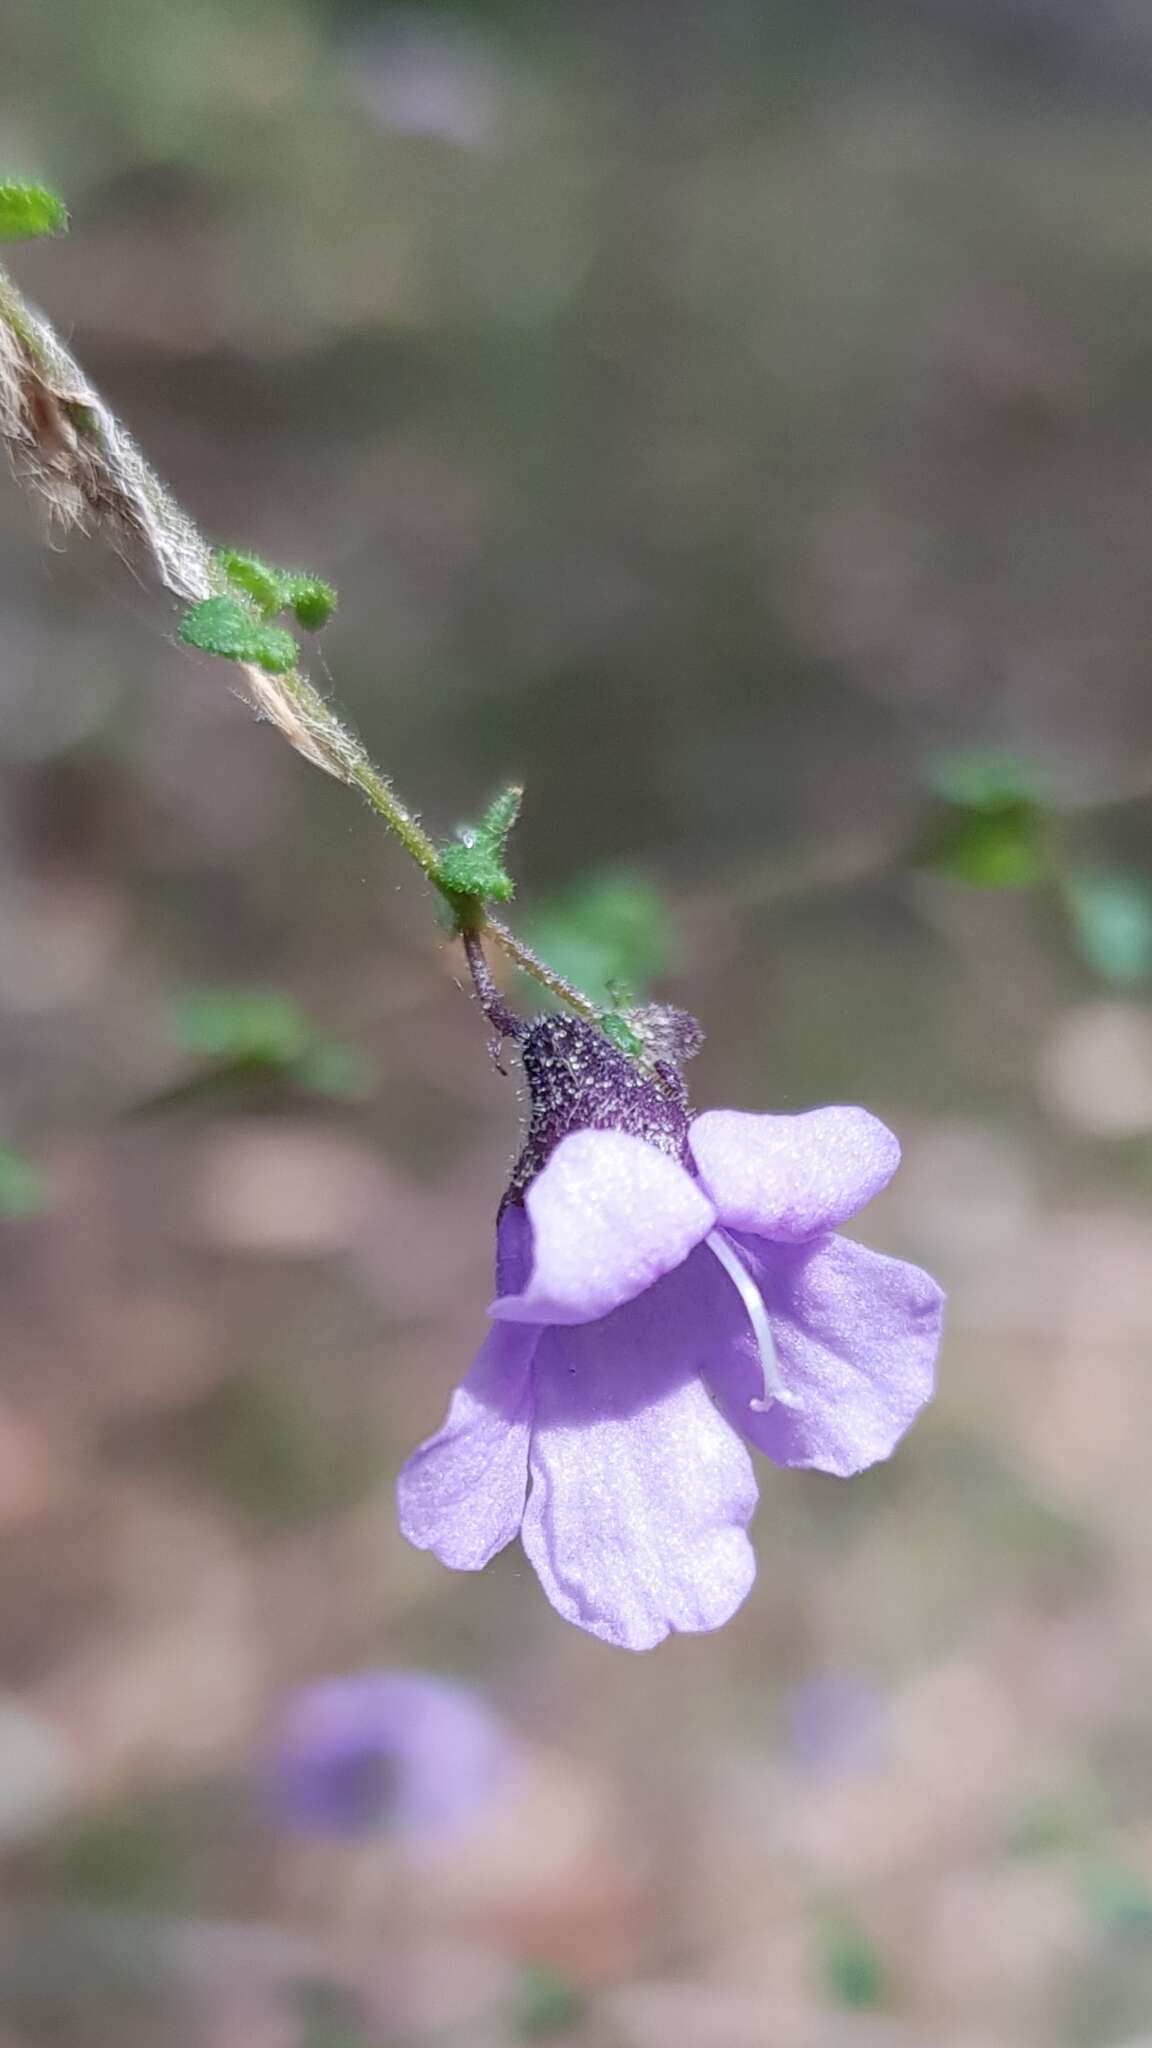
[67, 445]
[502, 1018]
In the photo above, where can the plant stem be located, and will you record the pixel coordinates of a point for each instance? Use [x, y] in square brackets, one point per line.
[503, 1020]
[66, 444]
[530, 963]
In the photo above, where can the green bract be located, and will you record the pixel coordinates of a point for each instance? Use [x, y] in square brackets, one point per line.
[475, 870]
[30, 210]
[473, 867]
[227, 627]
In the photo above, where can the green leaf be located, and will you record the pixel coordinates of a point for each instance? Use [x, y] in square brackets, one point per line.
[30, 210]
[1005, 847]
[278, 590]
[23, 1192]
[1112, 918]
[610, 928]
[475, 870]
[227, 627]
[251, 1033]
[980, 779]
[472, 867]
[262, 584]
[312, 601]
[550, 2003]
[501, 815]
[243, 1024]
[851, 1965]
[620, 1033]
[337, 1070]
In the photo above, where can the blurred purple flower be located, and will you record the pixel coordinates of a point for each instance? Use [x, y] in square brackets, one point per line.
[670, 1290]
[836, 1724]
[436, 79]
[386, 1749]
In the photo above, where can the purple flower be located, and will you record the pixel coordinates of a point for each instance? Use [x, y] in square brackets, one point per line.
[670, 1291]
[385, 1749]
[836, 1723]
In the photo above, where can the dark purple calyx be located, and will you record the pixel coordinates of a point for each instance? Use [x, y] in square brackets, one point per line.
[579, 1081]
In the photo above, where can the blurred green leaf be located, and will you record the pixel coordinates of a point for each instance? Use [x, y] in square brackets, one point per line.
[23, 1190]
[550, 2003]
[243, 1024]
[253, 1038]
[611, 927]
[1117, 1897]
[338, 1070]
[980, 780]
[30, 210]
[1112, 918]
[851, 1967]
[1045, 1828]
[226, 626]
[1002, 847]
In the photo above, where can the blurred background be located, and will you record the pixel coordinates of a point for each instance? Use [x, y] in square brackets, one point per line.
[735, 419]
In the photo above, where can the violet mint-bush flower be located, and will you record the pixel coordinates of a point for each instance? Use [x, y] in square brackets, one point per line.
[406, 1751]
[672, 1291]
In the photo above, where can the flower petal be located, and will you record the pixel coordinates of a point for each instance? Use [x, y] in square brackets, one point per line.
[641, 1494]
[609, 1214]
[788, 1177]
[462, 1493]
[856, 1336]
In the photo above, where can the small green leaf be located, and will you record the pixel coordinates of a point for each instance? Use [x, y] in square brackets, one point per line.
[501, 815]
[475, 870]
[550, 2003]
[312, 601]
[279, 590]
[1001, 848]
[1112, 917]
[851, 1966]
[262, 584]
[227, 627]
[30, 210]
[621, 1034]
[23, 1192]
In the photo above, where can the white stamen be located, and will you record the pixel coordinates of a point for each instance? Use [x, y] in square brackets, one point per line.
[757, 1315]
